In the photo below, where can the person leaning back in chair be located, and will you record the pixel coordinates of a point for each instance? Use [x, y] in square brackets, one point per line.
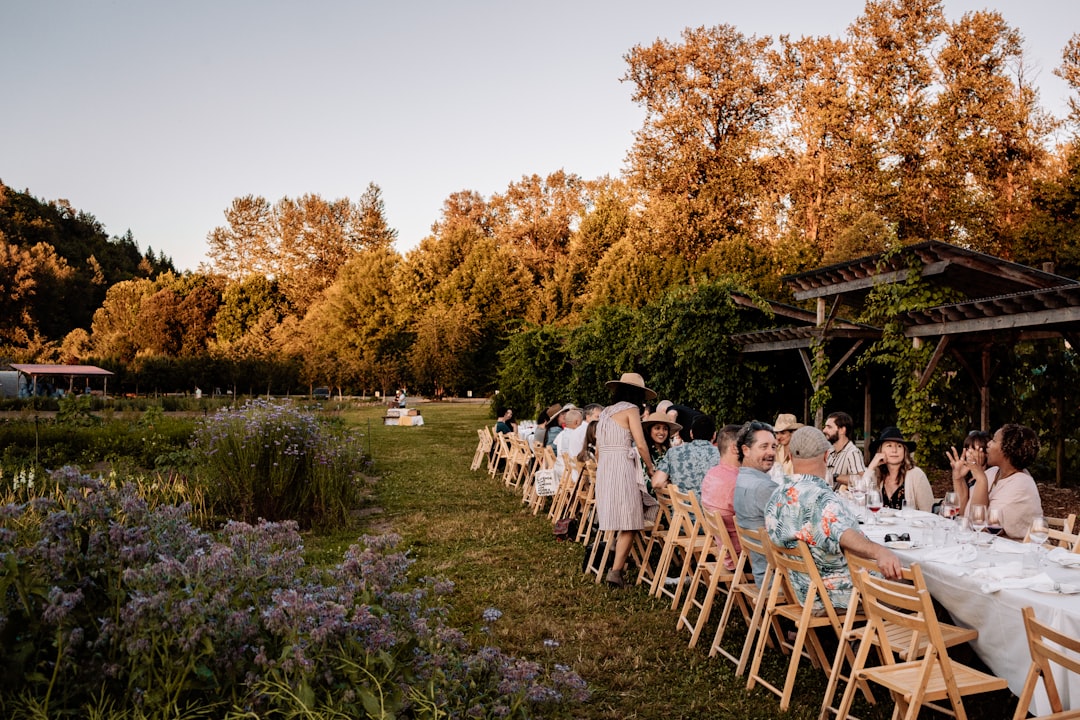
[805, 508]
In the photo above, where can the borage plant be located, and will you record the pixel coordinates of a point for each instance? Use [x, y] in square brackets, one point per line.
[108, 602]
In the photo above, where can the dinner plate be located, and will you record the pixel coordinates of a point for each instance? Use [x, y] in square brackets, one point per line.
[1056, 588]
[900, 544]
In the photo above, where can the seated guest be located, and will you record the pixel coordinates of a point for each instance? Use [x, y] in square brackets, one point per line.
[685, 416]
[658, 431]
[1005, 483]
[687, 464]
[588, 447]
[893, 472]
[506, 424]
[805, 508]
[756, 445]
[547, 417]
[783, 427]
[974, 451]
[555, 425]
[846, 460]
[718, 487]
[570, 440]
[592, 412]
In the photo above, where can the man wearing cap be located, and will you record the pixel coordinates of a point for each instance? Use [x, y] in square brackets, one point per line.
[806, 508]
[756, 444]
[686, 464]
[845, 460]
[785, 425]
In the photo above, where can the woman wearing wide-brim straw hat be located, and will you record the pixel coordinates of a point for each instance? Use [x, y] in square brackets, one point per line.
[621, 447]
[659, 430]
[783, 427]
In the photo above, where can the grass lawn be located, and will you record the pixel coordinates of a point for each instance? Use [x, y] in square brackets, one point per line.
[466, 527]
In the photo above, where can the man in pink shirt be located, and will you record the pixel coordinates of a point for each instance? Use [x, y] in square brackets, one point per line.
[718, 487]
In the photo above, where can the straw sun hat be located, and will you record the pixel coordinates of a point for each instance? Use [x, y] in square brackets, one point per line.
[633, 380]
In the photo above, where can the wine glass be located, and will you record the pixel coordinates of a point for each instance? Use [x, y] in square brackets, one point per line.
[873, 502]
[858, 494]
[977, 514]
[964, 531]
[1038, 534]
[950, 506]
[994, 520]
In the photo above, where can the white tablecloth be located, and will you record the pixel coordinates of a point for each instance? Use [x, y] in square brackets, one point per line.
[1002, 641]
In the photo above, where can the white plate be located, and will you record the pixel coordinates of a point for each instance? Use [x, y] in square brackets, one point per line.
[900, 544]
[1056, 588]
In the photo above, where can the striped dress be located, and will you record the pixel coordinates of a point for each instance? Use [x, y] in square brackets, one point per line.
[618, 469]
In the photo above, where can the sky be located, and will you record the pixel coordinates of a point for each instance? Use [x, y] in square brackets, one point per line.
[154, 116]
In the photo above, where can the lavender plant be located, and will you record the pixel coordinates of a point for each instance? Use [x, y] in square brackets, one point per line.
[277, 462]
[106, 601]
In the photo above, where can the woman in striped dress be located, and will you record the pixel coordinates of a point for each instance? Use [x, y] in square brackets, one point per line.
[620, 450]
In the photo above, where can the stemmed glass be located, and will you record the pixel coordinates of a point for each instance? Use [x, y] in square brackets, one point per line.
[873, 503]
[858, 494]
[993, 520]
[977, 516]
[1038, 534]
[950, 506]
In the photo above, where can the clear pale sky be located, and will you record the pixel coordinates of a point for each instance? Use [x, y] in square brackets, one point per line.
[153, 116]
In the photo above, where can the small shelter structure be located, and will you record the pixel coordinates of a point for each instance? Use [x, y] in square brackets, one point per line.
[1000, 303]
[37, 375]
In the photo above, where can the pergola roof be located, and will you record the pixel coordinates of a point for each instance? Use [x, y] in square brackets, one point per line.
[67, 371]
[1054, 309]
[975, 274]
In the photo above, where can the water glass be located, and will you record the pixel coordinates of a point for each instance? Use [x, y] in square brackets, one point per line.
[905, 508]
[940, 535]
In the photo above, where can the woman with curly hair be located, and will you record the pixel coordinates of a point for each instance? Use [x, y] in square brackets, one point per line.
[1005, 483]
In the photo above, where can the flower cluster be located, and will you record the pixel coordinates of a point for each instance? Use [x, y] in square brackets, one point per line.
[279, 462]
[114, 600]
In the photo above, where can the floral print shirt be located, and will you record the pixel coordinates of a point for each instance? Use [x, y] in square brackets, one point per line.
[805, 508]
[687, 464]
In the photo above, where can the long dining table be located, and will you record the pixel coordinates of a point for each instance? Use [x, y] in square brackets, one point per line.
[984, 585]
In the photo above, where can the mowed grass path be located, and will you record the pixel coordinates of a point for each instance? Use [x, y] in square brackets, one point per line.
[464, 526]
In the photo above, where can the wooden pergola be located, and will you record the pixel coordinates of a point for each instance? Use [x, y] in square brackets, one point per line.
[63, 372]
[1002, 303]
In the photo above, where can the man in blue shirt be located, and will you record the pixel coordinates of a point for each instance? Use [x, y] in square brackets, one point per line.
[753, 485]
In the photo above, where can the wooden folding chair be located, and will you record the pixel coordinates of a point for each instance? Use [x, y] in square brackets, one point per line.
[682, 543]
[1062, 533]
[602, 549]
[560, 504]
[1047, 646]
[545, 460]
[516, 454]
[483, 448]
[814, 612]
[906, 644]
[749, 598]
[500, 456]
[653, 540]
[915, 682]
[711, 576]
[584, 507]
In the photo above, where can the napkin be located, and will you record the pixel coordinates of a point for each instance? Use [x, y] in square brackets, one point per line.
[1063, 557]
[1008, 576]
[1005, 545]
[952, 555]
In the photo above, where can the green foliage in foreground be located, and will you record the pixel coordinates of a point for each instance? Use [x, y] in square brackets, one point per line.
[467, 527]
[112, 608]
[275, 461]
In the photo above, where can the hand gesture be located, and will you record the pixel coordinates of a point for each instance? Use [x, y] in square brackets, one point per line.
[959, 464]
[878, 459]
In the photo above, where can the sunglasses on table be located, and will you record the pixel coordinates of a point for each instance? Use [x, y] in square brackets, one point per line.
[902, 537]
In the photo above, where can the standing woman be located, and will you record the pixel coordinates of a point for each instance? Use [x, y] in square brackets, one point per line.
[894, 472]
[620, 450]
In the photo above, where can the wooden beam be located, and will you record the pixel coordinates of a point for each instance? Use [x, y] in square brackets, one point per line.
[939, 351]
[868, 282]
[1002, 322]
[808, 365]
[858, 344]
[793, 344]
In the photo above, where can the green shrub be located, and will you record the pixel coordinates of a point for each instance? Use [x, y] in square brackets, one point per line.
[278, 462]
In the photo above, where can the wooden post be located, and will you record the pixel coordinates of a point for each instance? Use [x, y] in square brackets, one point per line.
[984, 391]
[866, 416]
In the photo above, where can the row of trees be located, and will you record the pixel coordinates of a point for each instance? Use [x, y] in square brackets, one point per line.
[757, 157]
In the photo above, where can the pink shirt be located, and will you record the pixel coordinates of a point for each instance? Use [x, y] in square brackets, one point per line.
[718, 495]
[1018, 498]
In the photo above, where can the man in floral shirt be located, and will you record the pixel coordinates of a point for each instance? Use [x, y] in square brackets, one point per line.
[805, 508]
[687, 464]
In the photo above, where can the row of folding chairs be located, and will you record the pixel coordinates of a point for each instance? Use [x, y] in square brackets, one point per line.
[888, 635]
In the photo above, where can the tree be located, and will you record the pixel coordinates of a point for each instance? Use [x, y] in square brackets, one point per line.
[115, 322]
[244, 305]
[370, 224]
[247, 245]
[1069, 71]
[440, 356]
[708, 102]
